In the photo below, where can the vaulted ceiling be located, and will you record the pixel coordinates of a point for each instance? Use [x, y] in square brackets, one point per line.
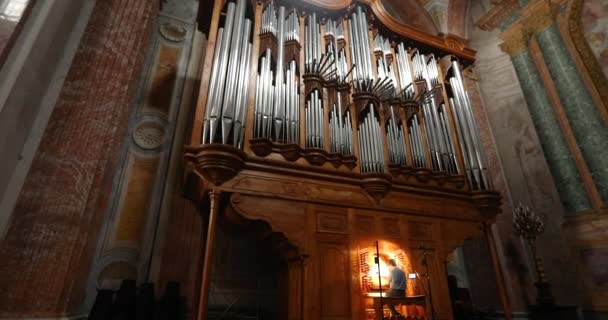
[443, 17]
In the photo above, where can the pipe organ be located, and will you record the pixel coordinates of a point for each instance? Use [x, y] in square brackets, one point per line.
[381, 77]
[305, 104]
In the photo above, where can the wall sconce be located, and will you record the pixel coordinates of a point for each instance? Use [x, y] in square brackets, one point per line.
[411, 276]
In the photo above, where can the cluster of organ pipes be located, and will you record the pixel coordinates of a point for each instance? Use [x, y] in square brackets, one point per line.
[363, 76]
[340, 70]
[415, 137]
[395, 139]
[379, 67]
[371, 150]
[405, 72]
[315, 131]
[224, 119]
[468, 134]
[340, 130]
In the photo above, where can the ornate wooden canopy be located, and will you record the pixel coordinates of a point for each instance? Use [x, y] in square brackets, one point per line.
[324, 204]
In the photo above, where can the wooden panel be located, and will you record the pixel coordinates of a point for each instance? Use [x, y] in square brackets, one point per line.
[332, 222]
[364, 224]
[391, 227]
[420, 230]
[334, 280]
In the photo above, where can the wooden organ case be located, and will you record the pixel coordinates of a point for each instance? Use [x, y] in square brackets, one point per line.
[340, 129]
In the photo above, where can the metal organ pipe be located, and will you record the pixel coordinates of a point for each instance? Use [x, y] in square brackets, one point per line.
[277, 100]
[212, 85]
[471, 144]
[340, 130]
[370, 143]
[315, 136]
[235, 64]
[222, 63]
[396, 140]
[279, 105]
[227, 96]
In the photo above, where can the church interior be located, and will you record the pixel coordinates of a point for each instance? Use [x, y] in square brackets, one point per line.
[304, 159]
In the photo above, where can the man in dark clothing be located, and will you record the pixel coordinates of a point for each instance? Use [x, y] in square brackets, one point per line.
[396, 279]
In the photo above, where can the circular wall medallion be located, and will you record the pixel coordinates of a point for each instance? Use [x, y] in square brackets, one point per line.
[149, 135]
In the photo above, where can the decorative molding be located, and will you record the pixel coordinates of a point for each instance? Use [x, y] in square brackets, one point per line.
[172, 32]
[396, 26]
[499, 13]
[149, 135]
[538, 16]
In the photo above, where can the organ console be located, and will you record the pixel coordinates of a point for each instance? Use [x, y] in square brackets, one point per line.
[335, 124]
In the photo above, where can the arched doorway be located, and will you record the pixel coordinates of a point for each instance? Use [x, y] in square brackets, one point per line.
[250, 275]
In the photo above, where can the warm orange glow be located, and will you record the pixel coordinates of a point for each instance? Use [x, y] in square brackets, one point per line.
[369, 269]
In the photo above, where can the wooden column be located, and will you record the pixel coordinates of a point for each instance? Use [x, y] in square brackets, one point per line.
[214, 197]
[500, 280]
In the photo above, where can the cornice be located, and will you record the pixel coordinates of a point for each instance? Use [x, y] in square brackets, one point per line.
[505, 9]
[538, 16]
[497, 14]
[451, 45]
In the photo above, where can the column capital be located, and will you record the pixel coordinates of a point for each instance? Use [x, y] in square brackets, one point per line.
[515, 39]
[538, 17]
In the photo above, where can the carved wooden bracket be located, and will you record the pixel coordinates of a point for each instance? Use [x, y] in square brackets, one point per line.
[488, 203]
[216, 162]
[376, 184]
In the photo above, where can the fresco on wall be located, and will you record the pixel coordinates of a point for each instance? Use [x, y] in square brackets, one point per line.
[595, 27]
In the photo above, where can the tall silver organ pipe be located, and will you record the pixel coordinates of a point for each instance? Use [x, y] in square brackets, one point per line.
[312, 51]
[279, 87]
[371, 147]
[396, 140]
[292, 104]
[339, 69]
[438, 134]
[475, 162]
[230, 61]
[241, 98]
[405, 73]
[340, 130]
[264, 98]
[277, 103]
[386, 73]
[415, 137]
[315, 133]
[360, 51]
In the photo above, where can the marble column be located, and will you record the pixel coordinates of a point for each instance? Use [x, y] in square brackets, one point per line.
[590, 131]
[561, 163]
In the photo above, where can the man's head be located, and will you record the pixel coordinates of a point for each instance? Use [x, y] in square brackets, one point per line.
[392, 264]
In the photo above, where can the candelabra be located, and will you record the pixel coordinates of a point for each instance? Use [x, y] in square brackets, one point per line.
[527, 224]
